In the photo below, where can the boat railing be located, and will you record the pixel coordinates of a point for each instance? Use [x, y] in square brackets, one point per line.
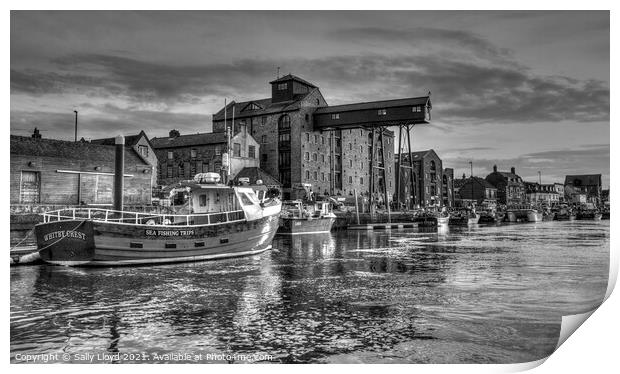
[142, 218]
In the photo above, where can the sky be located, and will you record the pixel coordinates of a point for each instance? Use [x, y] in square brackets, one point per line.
[511, 88]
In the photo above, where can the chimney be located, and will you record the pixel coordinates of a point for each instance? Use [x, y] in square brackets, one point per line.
[495, 168]
[174, 133]
[36, 134]
[512, 170]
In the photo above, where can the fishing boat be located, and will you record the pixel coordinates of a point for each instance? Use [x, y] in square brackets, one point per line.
[217, 221]
[304, 218]
[463, 218]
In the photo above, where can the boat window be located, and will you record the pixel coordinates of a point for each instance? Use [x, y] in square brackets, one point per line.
[202, 200]
[245, 200]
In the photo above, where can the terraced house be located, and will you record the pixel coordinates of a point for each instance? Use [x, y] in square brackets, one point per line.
[303, 140]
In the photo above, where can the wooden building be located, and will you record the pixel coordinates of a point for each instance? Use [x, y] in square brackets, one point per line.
[57, 172]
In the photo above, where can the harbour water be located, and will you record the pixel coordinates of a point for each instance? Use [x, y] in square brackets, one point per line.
[483, 294]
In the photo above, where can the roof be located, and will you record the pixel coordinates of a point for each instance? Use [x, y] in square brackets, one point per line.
[189, 140]
[412, 101]
[130, 140]
[586, 179]
[483, 182]
[256, 173]
[22, 145]
[268, 107]
[417, 155]
[289, 77]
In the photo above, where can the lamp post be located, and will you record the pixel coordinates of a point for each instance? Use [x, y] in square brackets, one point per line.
[75, 135]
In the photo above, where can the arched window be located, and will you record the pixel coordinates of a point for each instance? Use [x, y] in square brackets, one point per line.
[284, 122]
[432, 165]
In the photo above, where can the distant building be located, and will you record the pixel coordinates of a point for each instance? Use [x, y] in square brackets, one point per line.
[510, 188]
[536, 193]
[305, 141]
[58, 172]
[475, 191]
[183, 156]
[139, 143]
[427, 190]
[559, 188]
[448, 187]
[579, 187]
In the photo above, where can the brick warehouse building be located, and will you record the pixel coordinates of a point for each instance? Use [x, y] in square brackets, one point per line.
[510, 187]
[303, 140]
[57, 172]
[432, 187]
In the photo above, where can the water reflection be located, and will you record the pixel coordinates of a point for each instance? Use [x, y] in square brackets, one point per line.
[471, 294]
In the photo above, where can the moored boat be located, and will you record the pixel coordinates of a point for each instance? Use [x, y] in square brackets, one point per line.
[300, 218]
[548, 216]
[463, 218]
[220, 222]
[534, 215]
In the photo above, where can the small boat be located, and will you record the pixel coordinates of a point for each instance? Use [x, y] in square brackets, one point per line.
[462, 218]
[300, 218]
[548, 216]
[590, 215]
[534, 215]
[442, 218]
[218, 221]
[487, 217]
[500, 216]
[511, 215]
[565, 214]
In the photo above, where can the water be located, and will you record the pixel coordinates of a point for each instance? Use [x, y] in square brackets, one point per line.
[486, 294]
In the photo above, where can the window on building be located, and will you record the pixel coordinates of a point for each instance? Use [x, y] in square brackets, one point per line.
[335, 115]
[307, 156]
[263, 139]
[169, 171]
[263, 159]
[316, 139]
[314, 157]
[282, 86]
[170, 155]
[181, 170]
[382, 112]
[416, 108]
[316, 176]
[323, 176]
[192, 168]
[323, 158]
[251, 151]
[350, 147]
[308, 137]
[350, 179]
[192, 153]
[361, 180]
[237, 149]
[308, 174]
[323, 140]
[284, 122]
[143, 150]
[30, 187]
[318, 102]
[263, 120]
[351, 163]
[218, 150]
